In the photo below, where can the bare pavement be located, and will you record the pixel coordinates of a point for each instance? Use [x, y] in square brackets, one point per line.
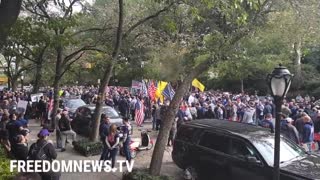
[141, 161]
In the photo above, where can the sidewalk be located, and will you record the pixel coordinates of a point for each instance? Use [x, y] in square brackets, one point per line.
[142, 160]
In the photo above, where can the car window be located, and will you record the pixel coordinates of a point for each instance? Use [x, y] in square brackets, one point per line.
[74, 103]
[241, 150]
[185, 134]
[110, 112]
[215, 142]
[289, 150]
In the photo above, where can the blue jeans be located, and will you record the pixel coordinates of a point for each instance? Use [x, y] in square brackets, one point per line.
[113, 154]
[126, 149]
[105, 154]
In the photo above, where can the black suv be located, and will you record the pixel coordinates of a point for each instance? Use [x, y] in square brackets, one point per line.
[216, 149]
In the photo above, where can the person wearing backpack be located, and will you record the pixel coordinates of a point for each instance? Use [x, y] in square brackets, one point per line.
[45, 151]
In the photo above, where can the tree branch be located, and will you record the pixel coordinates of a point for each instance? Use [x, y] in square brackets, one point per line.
[69, 65]
[91, 29]
[144, 20]
[75, 53]
[69, 10]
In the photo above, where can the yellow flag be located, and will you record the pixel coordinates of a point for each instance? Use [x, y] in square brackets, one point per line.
[160, 87]
[198, 85]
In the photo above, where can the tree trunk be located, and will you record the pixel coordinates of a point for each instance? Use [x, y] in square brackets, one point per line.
[9, 11]
[14, 84]
[38, 78]
[56, 86]
[297, 64]
[100, 102]
[168, 119]
[106, 77]
[9, 82]
[242, 86]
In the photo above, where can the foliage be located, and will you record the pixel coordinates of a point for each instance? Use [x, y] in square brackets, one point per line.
[88, 148]
[5, 173]
[142, 174]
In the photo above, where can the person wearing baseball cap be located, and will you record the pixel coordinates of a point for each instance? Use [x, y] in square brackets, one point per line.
[287, 129]
[44, 150]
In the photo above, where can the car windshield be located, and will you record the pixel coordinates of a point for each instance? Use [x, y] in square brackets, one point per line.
[74, 103]
[288, 150]
[110, 112]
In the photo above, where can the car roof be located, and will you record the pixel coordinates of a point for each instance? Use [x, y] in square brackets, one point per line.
[245, 130]
[93, 106]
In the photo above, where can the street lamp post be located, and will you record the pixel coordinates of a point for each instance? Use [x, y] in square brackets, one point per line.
[279, 83]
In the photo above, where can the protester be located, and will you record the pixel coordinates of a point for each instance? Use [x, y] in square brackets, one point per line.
[58, 132]
[112, 142]
[103, 132]
[44, 150]
[14, 127]
[267, 122]
[126, 130]
[308, 133]
[288, 130]
[20, 148]
[65, 129]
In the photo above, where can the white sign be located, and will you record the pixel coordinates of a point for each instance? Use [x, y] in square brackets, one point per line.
[36, 97]
[22, 106]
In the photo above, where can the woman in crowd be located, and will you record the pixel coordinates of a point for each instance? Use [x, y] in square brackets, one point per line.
[112, 141]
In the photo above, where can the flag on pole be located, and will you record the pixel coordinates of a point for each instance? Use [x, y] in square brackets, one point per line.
[144, 90]
[152, 90]
[168, 92]
[198, 85]
[160, 87]
[139, 112]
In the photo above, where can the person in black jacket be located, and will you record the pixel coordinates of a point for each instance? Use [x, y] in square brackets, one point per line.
[65, 129]
[288, 130]
[20, 149]
[49, 153]
[103, 132]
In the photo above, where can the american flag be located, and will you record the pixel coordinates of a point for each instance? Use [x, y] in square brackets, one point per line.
[139, 111]
[152, 90]
[168, 92]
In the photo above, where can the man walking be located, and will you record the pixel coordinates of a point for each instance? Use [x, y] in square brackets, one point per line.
[126, 129]
[103, 132]
[65, 129]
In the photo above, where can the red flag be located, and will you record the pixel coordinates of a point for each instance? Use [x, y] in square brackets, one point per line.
[152, 91]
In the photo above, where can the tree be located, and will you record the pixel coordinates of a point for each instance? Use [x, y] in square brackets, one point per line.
[120, 36]
[65, 41]
[223, 28]
[33, 41]
[15, 64]
[9, 11]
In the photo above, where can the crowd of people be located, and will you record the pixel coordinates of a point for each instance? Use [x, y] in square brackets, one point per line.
[300, 119]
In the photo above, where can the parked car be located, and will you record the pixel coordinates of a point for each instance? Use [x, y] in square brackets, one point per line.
[215, 149]
[83, 119]
[72, 104]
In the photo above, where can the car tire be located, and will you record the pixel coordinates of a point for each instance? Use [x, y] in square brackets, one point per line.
[191, 173]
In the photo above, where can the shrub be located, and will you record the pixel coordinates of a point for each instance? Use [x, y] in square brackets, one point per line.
[5, 173]
[88, 148]
[142, 174]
